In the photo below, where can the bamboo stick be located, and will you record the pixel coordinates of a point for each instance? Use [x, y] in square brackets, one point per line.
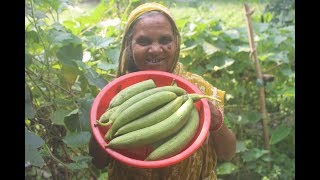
[253, 54]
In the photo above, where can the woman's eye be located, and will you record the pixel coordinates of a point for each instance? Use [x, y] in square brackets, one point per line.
[165, 40]
[143, 41]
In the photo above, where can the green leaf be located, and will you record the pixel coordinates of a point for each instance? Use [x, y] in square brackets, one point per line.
[28, 107]
[93, 77]
[253, 154]
[32, 155]
[279, 134]
[63, 38]
[82, 158]
[99, 42]
[208, 48]
[32, 141]
[78, 166]
[72, 122]
[265, 56]
[232, 34]
[241, 48]
[57, 117]
[27, 59]
[103, 176]
[261, 27]
[69, 53]
[279, 39]
[290, 92]
[254, 116]
[281, 56]
[227, 168]
[84, 112]
[287, 71]
[227, 62]
[241, 147]
[113, 54]
[77, 140]
[106, 66]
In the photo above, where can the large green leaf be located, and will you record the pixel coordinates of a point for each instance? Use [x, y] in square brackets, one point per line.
[84, 112]
[70, 52]
[113, 54]
[93, 77]
[72, 122]
[32, 143]
[279, 134]
[77, 139]
[57, 117]
[62, 38]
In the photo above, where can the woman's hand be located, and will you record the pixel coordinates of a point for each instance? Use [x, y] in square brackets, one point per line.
[216, 117]
[100, 158]
[223, 138]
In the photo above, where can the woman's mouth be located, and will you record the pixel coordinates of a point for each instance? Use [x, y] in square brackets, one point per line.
[154, 60]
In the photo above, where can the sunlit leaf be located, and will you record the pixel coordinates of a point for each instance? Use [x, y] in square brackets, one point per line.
[209, 48]
[290, 92]
[227, 168]
[232, 34]
[103, 176]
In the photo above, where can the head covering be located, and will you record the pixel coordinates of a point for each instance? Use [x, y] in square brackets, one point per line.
[137, 12]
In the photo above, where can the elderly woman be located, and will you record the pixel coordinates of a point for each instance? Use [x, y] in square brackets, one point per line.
[152, 42]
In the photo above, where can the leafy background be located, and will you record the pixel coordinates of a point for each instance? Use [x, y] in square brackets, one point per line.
[72, 49]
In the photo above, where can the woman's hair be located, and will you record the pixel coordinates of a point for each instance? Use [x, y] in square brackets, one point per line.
[126, 61]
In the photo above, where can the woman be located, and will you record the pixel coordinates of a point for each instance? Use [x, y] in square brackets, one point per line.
[152, 42]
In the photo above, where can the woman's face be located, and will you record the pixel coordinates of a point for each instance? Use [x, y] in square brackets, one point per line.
[153, 43]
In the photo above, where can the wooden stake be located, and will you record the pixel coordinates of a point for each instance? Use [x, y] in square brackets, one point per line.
[253, 55]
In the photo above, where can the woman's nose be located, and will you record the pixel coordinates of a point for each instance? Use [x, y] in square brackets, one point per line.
[155, 48]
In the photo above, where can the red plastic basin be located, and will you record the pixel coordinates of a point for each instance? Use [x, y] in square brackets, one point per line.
[135, 157]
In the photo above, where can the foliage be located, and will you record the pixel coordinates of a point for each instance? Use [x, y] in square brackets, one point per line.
[67, 62]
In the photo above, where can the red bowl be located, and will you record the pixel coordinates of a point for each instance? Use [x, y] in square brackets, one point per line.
[135, 157]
